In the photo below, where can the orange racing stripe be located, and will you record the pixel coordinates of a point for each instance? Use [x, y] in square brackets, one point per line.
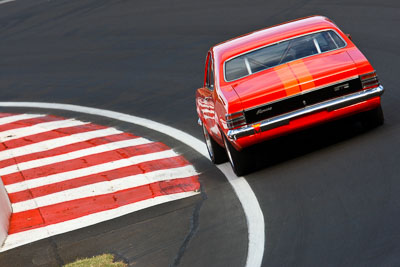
[288, 79]
[304, 77]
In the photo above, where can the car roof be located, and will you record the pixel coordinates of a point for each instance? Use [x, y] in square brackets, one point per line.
[253, 40]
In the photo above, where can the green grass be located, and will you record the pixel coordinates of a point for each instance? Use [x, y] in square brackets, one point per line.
[105, 260]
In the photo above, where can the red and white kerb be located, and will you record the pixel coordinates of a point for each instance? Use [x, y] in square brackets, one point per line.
[64, 174]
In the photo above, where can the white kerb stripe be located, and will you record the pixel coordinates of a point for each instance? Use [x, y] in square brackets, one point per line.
[105, 187]
[73, 155]
[65, 176]
[21, 238]
[19, 117]
[38, 128]
[55, 143]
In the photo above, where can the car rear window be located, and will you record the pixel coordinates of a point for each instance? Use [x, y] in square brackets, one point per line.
[282, 52]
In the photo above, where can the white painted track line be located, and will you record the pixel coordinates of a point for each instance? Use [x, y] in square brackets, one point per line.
[55, 143]
[30, 236]
[254, 215]
[19, 117]
[38, 128]
[105, 187]
[69, 175]
[73, 155]
[6, 1]
[251, 207]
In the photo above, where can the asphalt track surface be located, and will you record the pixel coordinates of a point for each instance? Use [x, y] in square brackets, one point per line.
[329, 195]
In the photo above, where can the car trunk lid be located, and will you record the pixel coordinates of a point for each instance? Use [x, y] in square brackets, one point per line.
[296, 84]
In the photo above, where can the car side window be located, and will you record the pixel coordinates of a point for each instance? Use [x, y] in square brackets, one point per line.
[210, 73]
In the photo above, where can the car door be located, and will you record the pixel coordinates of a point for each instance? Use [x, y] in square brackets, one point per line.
[207, 99]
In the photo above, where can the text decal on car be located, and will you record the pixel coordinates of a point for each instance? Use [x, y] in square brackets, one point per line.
[262, 110]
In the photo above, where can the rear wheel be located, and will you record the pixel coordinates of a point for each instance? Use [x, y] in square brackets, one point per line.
[238, 159]
[216, 152]
[372, 118]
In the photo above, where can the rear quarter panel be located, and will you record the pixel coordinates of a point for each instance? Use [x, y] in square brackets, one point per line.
[226, 102]
[362, 63]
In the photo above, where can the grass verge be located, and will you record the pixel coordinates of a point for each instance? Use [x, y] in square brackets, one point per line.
[105, 260]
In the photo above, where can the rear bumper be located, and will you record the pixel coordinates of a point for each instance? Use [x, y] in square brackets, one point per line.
[281, 120]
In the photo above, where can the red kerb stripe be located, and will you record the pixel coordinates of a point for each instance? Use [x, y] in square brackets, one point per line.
[28, 122]
[69, 210]
[3, 115]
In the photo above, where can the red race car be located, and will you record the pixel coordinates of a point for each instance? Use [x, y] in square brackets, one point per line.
[279, 80]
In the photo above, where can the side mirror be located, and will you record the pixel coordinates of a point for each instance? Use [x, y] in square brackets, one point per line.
[349, 36]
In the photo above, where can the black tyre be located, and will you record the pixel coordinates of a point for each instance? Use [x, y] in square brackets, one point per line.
[372, 118]
[216, 152]
[238, 159]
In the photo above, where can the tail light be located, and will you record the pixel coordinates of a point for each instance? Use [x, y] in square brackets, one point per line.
[235, 119]
[369, 80]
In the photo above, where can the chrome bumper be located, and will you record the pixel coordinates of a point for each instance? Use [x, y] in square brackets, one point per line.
[284, 119]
